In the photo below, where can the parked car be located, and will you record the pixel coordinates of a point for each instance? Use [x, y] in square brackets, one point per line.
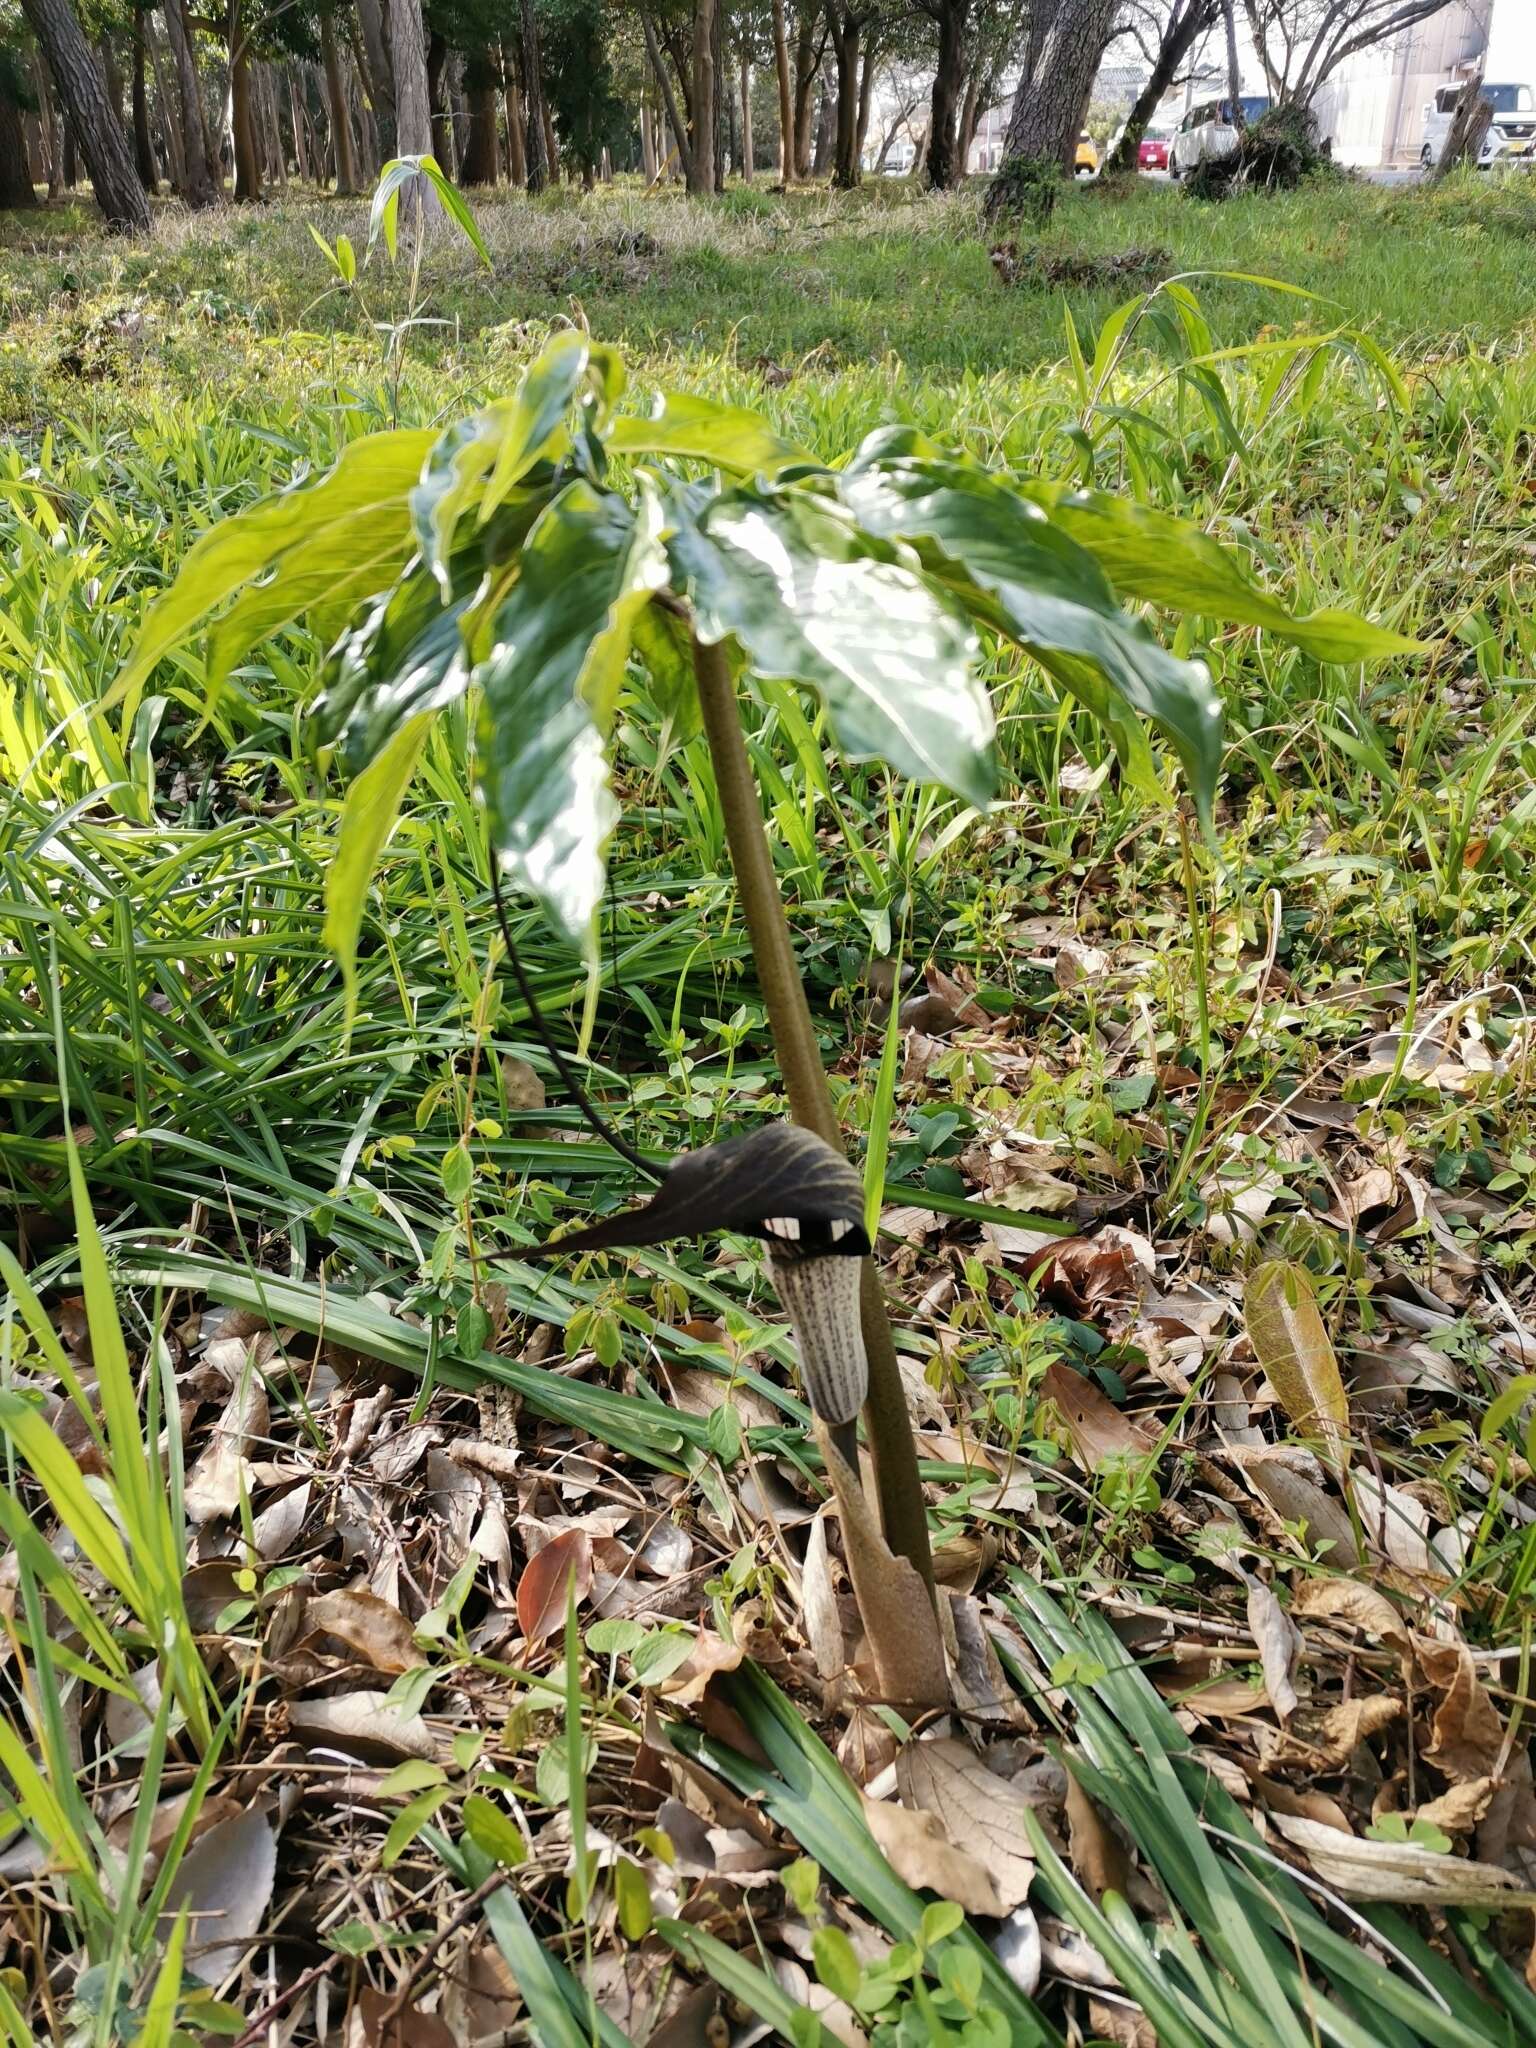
[1087, 155]
[1208, 130]
[1152, 155]
[1511, 138]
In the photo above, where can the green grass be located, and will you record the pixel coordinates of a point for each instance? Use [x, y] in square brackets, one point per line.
[161, 913]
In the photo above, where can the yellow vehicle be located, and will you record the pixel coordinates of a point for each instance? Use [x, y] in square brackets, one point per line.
[1087, 155]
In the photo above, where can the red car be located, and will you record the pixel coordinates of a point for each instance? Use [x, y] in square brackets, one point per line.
[1153, 153]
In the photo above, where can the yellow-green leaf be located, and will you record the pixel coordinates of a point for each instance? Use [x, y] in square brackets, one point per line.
[1285, 1328]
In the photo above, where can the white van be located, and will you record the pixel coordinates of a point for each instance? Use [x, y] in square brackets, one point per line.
[1512, 137]
[1207, 130]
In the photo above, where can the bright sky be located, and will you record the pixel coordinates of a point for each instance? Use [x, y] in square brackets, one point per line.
[1512, 43]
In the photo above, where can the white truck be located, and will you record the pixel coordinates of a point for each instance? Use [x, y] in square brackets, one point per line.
[1511, 135]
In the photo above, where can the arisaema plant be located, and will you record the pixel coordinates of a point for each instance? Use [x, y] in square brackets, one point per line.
[520, 564]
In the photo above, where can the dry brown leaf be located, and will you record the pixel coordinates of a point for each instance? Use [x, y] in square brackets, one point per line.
[225, 1883]
[1459, 1810]
[1468, 1736]
[364, 1723]
[1096, 1427]
[553, 1576]
[167, 1817]
[1097, 1856]
[1346, 1604]
[710, 1655]
[522, 1084]
[1399, 1873]
[894, 1606]
[379, 1633]
[213, 1484]
[1279, 1644]
[374, 2022]
[1295, 1498]
[918, 1849]
[945, 1777]
[1127, 2026]
[818, 1605]
[977, 1682]
[1326, 1742]
[1285, 1328]
[1077, 963]
[1396, 1525]
[280, 1524]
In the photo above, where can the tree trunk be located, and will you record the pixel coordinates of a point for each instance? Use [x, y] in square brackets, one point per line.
[170, 118]
[846, 32]
[807, 72]
[700, 170]
[668, 98]
[143, 141]
[787, 164]
[480, 151]
[83, 91]
[970, 118]
[1047, 111]
[420, 207]
[113, 77]
[342, 153]
[71, 170]
[48, 127]
[747, 151]
[945, 161]
[1234, 69]
[296, 77]
[16, 188]
[378, 71]
[512, 94]
[201, 186]
[1185, 27]
[536, 137]
[826, 127]
[866, 101]
[242, 123]
[272, 106]
[647, 143]
[437, 100]
[1469, 128]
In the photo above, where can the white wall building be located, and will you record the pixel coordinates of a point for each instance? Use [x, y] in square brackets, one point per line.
[1372, 107]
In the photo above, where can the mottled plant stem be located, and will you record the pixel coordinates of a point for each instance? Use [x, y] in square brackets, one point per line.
[794, 1036]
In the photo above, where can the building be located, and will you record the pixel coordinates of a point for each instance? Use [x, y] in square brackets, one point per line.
[1373, 107]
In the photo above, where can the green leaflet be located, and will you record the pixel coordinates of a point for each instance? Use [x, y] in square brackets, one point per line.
[1010, 565]
[1162, 560]
[727, 436]
[503, 443]
[372, 806]
[549, 682]
[308, 538]
[813, 600]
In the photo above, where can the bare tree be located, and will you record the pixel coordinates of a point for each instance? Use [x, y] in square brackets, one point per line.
[1301, 43]
[1184, 23]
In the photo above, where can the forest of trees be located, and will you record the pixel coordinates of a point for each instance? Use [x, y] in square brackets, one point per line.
[255, 95]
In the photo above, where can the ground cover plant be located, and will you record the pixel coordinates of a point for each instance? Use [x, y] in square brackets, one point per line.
[411, 1640]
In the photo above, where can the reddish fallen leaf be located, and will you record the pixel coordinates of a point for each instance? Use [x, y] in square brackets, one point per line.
[543, 1589]
[1080, 1273]
[1097, 1428]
